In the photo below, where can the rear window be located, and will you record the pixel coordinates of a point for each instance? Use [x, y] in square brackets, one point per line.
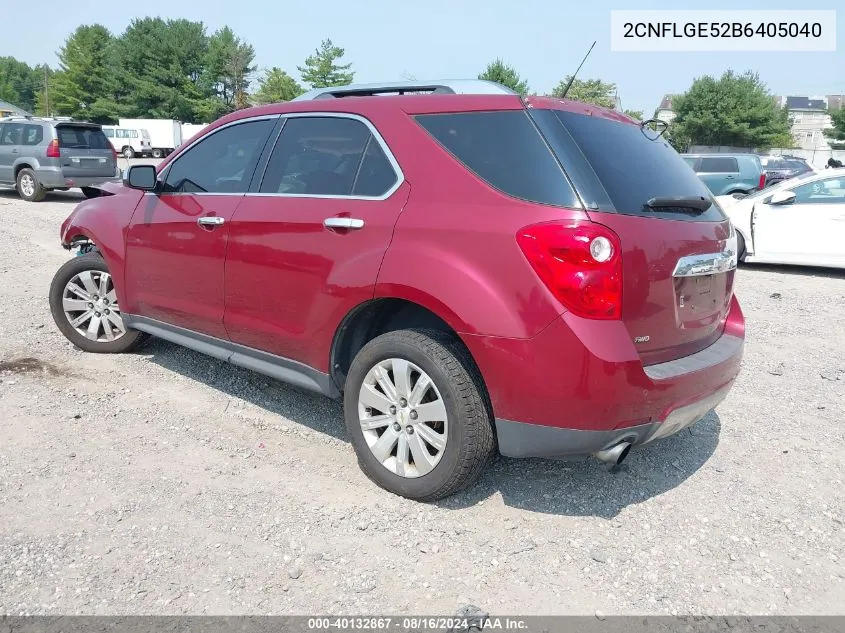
[81, 137]
[615, 166]
[718, 165]
[504, 149]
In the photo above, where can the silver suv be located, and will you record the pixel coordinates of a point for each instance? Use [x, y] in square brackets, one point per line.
[41, 154]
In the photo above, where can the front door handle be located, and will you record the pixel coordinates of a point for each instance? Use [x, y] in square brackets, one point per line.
[343, 223]
[211, 221]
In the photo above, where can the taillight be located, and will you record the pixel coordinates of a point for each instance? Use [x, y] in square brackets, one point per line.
[580, 263]
[762, 184]
[53, 149]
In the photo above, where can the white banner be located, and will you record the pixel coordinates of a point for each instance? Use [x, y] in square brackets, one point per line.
[723, 30]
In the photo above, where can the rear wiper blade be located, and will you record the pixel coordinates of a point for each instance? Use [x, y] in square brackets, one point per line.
[695, 203]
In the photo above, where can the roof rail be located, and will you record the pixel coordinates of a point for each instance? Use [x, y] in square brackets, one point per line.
[447, 86]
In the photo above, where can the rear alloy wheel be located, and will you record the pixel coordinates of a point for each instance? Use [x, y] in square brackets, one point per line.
[28, 186]
[128, 153]
[417, 415]
[84, 305]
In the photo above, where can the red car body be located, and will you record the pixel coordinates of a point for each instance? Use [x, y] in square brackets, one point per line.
[446, 244]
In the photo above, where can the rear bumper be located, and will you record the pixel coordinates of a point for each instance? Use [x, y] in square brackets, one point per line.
[55, 178]
[579, 386]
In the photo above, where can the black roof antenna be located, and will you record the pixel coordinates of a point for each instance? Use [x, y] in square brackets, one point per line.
[572, 78]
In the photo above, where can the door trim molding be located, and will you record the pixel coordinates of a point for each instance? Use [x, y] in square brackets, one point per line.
[284, 369]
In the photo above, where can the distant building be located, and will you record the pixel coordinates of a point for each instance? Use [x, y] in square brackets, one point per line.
[809, 118]
[664, 111]
[7, 109]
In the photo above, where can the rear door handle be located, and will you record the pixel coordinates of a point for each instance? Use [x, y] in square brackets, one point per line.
[211, 221]
[343, 223]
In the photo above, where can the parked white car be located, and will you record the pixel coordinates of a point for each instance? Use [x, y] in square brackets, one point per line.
[129, 141]
[799, 221]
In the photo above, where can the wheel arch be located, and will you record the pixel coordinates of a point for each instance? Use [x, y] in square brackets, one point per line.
[379, 316]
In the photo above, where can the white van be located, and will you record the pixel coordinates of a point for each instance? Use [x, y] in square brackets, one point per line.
[129, 141]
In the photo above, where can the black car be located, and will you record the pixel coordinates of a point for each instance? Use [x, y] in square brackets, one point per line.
[778, 168]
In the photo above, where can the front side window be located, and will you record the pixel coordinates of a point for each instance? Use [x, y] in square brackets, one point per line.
[328, 156]
[828, 191]
[223, 162]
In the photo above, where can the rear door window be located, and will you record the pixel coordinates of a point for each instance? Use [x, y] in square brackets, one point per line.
[32, 134]
[505, 150]
[617, 166]
[328, 156]
[12, 133]
[718, 165]
[81, 137]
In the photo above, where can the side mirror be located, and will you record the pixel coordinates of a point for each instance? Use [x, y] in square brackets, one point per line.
[782, 197]
[141, 177]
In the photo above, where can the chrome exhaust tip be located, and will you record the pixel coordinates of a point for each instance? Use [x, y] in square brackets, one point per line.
[616, 454]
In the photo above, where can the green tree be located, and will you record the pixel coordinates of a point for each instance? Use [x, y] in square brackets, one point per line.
[321, 70]
[634, 114]
[593, 91]
[502, 73]
[735, 110]
[228, 68]
[160, 65]
[277, 86]
[18, 83]
[84, 87]
[837, 132]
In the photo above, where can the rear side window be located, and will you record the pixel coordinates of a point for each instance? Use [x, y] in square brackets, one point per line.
[81, 137]
[718, 165]
[505, 150]
[617, 167]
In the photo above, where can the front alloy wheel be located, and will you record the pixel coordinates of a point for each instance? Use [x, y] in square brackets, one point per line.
[85, 307]
[90, 306]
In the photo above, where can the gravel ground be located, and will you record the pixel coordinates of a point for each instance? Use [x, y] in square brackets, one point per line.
[164, 482]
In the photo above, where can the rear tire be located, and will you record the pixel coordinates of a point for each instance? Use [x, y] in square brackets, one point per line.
[450, 415]
[84, 306]
[28, 187]
[740, 247]
[128, 153]
[157, 153]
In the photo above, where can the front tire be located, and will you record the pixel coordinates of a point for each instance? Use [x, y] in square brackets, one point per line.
[128, 153]
[28, 187]
[417, 414]
[740, 247]
[85, 308]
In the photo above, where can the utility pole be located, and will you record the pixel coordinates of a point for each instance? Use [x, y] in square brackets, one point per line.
[46, 92]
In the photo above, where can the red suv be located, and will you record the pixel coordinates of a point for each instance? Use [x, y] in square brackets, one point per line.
[466, 268]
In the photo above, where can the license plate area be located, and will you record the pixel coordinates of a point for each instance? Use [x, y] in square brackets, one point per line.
[686, 416]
